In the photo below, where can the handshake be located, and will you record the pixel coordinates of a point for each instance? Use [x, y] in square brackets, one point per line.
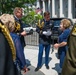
[47, 33]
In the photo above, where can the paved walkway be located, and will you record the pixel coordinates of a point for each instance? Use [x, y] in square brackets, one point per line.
[31, 54]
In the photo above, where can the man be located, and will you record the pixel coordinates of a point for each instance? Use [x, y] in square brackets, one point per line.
[44, 29]
[18, 15]
[69, 66]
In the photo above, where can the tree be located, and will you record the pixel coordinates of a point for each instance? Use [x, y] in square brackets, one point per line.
[32, 18]
[7, 6]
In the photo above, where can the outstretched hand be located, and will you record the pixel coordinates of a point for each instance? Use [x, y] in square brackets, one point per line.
[23, 33]
[56, 45]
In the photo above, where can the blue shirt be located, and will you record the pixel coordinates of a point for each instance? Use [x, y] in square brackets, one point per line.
[63, 37]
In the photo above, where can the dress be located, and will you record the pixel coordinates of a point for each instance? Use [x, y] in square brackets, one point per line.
[62, 50]
[20, 57]
[69, 66]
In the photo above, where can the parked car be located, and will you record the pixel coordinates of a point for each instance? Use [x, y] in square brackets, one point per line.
[28, 28]
[56, 32]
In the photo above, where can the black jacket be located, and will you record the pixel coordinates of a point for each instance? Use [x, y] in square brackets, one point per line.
[7, 66]
[21, 30]
[43, 39]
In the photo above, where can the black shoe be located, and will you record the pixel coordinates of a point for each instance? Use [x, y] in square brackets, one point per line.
[47, 67]
[59, 73]
[37, 68]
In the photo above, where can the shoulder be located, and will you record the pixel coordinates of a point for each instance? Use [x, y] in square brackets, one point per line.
[67, 30]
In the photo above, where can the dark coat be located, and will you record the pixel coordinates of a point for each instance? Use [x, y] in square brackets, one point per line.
[21, 30]
[7, 66]
[69, 66]
[43, 39]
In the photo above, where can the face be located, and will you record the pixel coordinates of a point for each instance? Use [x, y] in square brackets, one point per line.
[61, 27]
[19, 14]
[47, 17]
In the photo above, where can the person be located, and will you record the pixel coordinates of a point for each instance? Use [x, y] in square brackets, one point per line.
[69, 66]
[44, 28]
[9, 21]
[18, 13]
[7, 52]
[62, 40]
[21, 33]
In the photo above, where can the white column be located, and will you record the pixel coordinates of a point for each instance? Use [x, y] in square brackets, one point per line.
[38, 4]
[69, 8]
[43, 6]
[61, 8]
[49, 5]
[53, 8]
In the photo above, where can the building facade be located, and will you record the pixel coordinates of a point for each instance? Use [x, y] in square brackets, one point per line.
[58, 8]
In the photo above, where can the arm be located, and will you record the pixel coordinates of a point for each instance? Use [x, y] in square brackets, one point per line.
[57, 45]
[38, 30]
[64, 42]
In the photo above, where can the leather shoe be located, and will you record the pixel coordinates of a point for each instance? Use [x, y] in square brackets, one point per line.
[37, 68]
[47, 67]
[59, 73]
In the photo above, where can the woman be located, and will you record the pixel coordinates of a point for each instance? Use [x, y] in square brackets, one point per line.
[7, 51]
[62, 40]
[9, 22]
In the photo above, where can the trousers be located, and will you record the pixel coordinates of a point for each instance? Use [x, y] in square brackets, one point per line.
[40, 54]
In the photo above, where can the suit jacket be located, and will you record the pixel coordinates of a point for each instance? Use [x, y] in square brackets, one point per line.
[43, 39]
[21, 30]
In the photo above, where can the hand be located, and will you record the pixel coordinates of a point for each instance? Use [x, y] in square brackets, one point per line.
[41, 32]
[23, 33]
[56, 45]
[25, 69]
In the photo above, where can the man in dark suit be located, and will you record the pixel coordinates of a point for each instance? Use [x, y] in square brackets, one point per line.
[18, 15]
[44, 29]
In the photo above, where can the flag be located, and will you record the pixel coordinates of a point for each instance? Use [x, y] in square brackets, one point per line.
[38, 10]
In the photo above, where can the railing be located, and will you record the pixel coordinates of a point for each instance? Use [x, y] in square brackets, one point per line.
[32, 39]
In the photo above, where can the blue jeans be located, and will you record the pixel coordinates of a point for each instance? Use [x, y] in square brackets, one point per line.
[62, 57]
[47, 50]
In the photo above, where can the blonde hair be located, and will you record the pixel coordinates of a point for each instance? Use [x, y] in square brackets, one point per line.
[8, 20]
[66, 23]
[17, 9]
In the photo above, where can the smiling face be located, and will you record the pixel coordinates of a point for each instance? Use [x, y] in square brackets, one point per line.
[61, 27]
[65, 23]
[18, 12]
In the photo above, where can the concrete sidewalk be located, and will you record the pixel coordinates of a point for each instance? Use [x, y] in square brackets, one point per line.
[31, 54]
